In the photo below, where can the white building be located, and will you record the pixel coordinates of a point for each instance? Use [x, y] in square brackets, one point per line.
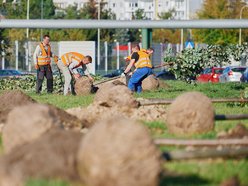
[125, 9]
[62, 4]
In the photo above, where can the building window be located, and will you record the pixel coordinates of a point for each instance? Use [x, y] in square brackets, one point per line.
[179, 3]
[136, 4]
[113, 4]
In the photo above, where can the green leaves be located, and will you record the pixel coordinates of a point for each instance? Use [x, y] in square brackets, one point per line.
[28, 83]
[190, 62]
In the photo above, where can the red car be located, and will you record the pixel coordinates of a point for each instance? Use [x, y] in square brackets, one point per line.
[210, 75]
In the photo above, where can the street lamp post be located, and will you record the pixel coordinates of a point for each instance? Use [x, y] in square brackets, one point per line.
[27, 45]
[240, 17]
[98, 37]
[41, 16]
[27, 18]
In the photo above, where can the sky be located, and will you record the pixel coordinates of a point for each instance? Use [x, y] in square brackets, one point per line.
[195, 5]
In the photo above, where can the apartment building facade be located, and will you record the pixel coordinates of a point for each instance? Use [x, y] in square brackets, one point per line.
[125, 9]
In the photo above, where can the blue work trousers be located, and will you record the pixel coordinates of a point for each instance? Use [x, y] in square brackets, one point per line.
[139, 75]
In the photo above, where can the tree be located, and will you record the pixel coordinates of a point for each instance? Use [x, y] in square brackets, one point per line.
[166, 35]
[167, 15]
[19, 11]
[133, 35]
[219, 9]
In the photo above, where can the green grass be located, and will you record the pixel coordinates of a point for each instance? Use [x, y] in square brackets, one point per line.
[208, 172]
[39, 182]
[61, 101]
[187, 173]
[212, 90]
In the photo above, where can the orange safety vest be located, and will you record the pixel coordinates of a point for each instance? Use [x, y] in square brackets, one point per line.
[45, 58]
[67, 58]
[144, 60]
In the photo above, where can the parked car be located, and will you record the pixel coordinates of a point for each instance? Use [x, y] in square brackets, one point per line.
[114, 73]
[232, 74]
[244, 77]
[165, 75]
[210, 75]
[10, 73]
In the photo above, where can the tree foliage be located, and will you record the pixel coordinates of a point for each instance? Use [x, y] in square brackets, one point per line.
[190, 62]
[166, 35]
[89, 11]
[220, 9]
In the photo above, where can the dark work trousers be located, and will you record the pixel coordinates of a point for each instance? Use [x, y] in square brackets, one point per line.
[44, 70]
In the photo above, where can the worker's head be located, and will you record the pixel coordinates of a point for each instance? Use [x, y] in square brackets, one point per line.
[46, 39]
[86, 60]
[150, 51]
[135, 48]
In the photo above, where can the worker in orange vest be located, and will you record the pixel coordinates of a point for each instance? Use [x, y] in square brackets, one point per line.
[69, 64]
[42, 61]
[143, 69]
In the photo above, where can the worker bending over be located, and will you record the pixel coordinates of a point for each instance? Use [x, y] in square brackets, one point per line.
[143, 69]
[69, 64]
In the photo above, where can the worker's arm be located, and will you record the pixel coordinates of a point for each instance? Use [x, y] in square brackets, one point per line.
[87, 73]
[35, 56]
[73, 67]
[134, 58]
[129, 66]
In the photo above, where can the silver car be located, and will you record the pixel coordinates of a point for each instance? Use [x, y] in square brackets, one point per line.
[232, 74]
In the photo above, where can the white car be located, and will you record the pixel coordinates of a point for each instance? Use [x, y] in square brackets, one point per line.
[232, 74]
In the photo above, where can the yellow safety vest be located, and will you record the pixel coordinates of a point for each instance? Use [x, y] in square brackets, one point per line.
[144, 60]
[45, 57]
[67, 58]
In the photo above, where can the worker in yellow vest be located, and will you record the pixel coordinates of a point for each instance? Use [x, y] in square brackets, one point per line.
[143, 69]
[69, 64]
[42, 62]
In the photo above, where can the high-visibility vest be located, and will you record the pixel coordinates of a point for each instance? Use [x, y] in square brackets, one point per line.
[45, 57]
[144, 60]
[67, 58]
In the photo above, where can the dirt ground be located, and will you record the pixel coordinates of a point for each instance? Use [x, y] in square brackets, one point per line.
[144, 113]
[11, 99]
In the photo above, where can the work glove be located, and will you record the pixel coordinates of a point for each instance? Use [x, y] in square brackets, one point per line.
[56, 59]
[123, 74]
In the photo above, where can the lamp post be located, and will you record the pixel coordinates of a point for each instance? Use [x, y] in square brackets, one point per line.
[27, 18]
[27, 46]
[41, 16]
[240, 17]
[98, 37]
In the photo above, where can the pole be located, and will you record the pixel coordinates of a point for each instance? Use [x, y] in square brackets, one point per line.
[16, 55]
[181, 39]
[41, 16]
[206, 153]
[240, 17]
[157, 101]
[27, 49]
[106, 56]
[129, 48]
[27, 18]
[200, 142]
[98, 37]
[118, 55]
[3, 55]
